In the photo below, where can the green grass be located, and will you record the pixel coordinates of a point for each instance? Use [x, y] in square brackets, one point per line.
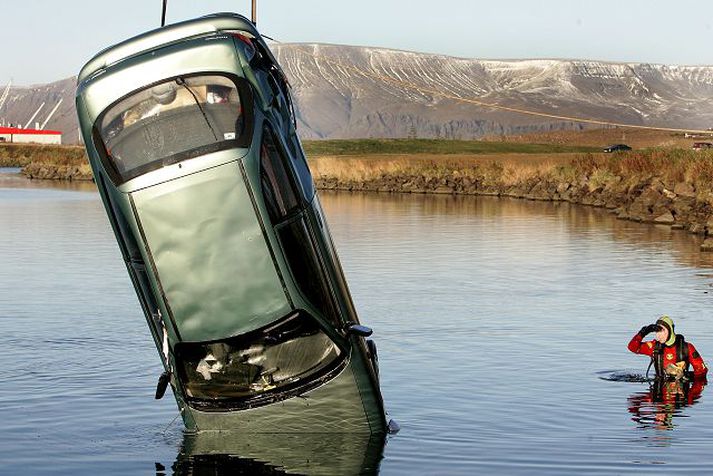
[431, 146]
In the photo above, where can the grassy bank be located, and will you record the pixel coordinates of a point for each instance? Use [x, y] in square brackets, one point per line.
[20, 155]
[493, 163]
[671, 187]
[665, 185]
[47, 162]
[670, 165]
[492, 168]
[69, 162]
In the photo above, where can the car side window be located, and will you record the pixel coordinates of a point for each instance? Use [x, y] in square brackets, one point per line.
[277, 184]
[303, 174]
[307, 269]
[281, 198]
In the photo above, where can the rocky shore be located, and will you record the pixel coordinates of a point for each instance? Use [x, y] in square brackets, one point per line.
[43, 171]
[647, 199]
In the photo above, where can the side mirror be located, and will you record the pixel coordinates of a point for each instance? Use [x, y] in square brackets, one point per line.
[359, 330]
[162, 385]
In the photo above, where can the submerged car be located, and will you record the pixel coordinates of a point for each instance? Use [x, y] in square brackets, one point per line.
[617, 148]
[190, 132]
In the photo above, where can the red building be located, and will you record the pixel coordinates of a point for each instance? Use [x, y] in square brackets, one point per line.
[15, 134]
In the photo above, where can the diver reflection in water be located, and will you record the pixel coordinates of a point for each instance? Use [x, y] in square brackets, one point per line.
[664, 400]
[227, 452]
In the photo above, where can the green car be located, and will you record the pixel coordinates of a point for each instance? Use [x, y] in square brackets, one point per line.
[190, 131]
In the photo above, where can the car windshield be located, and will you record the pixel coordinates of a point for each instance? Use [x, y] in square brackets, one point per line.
[172, 121]
[289, 355]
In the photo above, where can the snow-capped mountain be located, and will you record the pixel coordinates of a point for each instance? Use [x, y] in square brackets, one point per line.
[350, 91]
[346, 91]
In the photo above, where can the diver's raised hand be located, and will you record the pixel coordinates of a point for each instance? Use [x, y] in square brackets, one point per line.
[648, 329]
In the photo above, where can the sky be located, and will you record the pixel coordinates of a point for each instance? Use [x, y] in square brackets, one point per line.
[49, 40]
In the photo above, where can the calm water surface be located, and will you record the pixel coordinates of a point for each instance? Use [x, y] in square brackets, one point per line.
[496, 320]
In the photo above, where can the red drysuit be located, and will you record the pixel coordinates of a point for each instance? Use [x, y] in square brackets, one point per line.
[637, 346]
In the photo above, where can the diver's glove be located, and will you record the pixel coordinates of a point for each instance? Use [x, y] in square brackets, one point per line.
[648, 329]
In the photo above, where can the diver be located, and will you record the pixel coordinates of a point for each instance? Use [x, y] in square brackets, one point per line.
[670, 354]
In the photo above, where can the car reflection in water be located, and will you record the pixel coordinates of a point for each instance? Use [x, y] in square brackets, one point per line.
[227, 452]
[665, 400]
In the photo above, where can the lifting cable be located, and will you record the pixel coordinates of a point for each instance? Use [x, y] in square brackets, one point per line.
[408, 85]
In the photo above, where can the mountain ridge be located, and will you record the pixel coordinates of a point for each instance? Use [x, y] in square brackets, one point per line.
[346, 91]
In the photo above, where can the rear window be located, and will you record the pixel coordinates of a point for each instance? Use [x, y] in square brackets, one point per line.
[172, 121]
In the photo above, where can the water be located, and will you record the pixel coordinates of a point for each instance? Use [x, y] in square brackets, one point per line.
[498, 323]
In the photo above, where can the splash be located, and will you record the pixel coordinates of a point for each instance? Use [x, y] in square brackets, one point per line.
[622, 376]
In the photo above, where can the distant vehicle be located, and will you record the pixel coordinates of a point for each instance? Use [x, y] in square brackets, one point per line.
[616, 148]
[702, 145]
[190, 132]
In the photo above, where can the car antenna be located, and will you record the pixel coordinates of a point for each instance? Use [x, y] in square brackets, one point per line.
[163, 13]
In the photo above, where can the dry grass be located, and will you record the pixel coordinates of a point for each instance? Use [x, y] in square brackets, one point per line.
[599, 170]
[672, 165]
[19, 155]
[508, 167]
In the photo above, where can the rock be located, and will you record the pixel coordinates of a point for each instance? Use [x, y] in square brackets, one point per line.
[665, 219]
[563, 187]
[684, 189]
[657, 185]
[682, 205]
[651, 196]
[598, 203]
[668, 193]
[707, 245]
[696, 228]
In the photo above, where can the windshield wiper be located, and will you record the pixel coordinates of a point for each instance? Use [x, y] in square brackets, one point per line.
[182, 82]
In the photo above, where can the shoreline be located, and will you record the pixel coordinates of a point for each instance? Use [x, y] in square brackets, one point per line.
[668, 188]
[643, 198]
[46, 171]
